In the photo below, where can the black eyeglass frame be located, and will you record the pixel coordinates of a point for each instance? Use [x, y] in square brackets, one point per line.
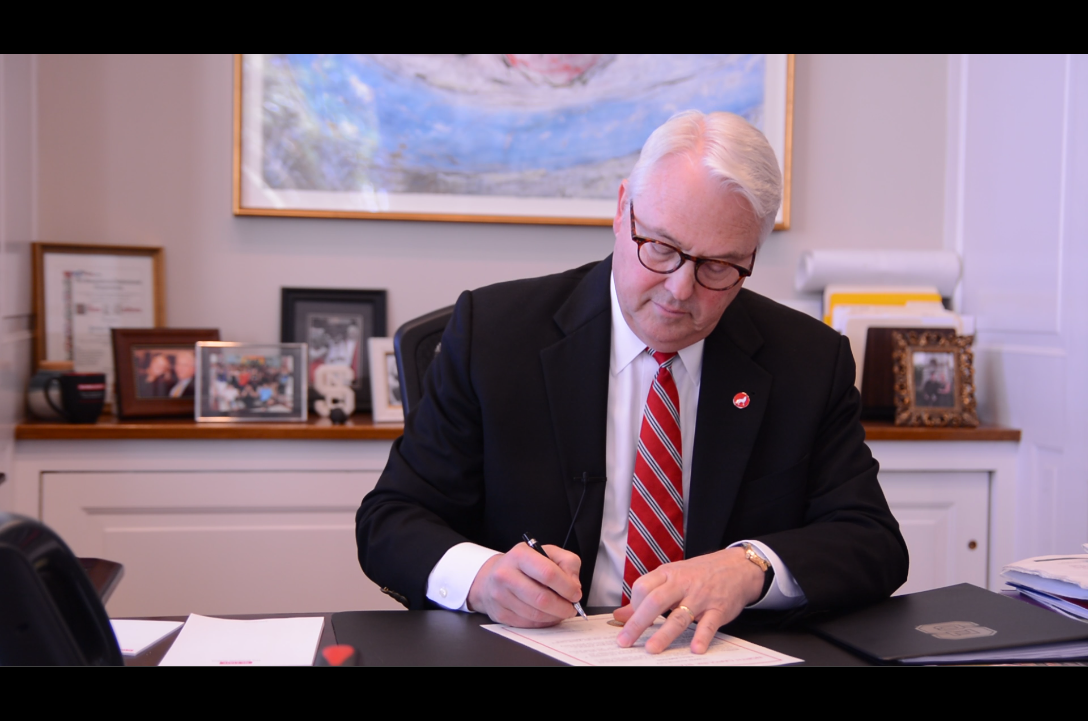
[699, 262]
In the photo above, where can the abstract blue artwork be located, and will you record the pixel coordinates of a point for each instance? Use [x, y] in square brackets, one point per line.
[514, 138]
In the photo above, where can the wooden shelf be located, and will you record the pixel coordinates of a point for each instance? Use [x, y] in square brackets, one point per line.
[358, 428]
[888, 431]
[363, 428]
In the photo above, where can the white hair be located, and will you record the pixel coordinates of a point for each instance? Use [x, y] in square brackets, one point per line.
[732, 151]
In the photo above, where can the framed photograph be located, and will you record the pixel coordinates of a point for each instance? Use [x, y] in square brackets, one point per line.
[156, 370]
[250, 382]
[82, 292]
[934, 379]
[477, 138]
[336, 325]
[385, 381]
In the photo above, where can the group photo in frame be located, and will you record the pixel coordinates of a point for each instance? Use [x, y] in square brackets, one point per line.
[82, 292]
[156, 370]
[239, 382]
[478, 138]
[335, 324]
[934, 379]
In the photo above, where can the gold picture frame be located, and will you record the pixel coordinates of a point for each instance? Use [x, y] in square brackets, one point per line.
[934, 380]
[82, 291]
[455, 198]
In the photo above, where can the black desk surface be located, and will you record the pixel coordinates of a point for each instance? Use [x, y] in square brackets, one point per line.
[444, 638]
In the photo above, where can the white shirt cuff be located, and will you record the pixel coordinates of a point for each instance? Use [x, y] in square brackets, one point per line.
[784, 592]
[452, 577]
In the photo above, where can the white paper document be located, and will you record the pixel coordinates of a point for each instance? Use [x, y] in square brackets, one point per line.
[1052, 574]
[593, 643]
[209, 641]
[134, 637]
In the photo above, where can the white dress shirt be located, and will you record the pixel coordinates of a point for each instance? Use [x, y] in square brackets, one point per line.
[631, 373]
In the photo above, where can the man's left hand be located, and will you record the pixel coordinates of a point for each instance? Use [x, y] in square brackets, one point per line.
[715, 588]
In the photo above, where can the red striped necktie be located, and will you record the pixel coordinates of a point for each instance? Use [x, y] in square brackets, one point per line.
[655, 521]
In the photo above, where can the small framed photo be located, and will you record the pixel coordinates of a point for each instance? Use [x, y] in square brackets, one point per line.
[81, 292]
[239, 382]
[336, 325]
[385, 381]
[156, 370]
[934, 379]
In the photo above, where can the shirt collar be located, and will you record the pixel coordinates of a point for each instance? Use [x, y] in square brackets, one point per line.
[626, 346]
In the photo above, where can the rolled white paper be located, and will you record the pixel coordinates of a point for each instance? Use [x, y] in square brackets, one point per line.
[820, 268]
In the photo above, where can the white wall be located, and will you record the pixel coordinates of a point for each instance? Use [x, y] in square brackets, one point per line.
[137, 150]
[17, 193]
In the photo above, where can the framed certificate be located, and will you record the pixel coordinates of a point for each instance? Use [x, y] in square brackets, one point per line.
[81, 292]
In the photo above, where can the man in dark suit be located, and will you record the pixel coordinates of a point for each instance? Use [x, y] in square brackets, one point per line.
[532, 421]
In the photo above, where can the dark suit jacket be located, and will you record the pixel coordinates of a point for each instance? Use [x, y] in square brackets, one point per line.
[513, 419]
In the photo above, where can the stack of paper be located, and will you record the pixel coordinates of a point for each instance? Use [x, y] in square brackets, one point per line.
[208, 641]
[1057, 582]
[854, 309]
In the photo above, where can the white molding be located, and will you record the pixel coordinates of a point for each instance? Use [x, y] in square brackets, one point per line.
[1062, 192]
[955, 163]
[3, 184]
[18, 336]
[1047, 351]
[34, 147]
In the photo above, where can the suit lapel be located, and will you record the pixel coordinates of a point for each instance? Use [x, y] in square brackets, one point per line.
[576, 378]
[724, 434]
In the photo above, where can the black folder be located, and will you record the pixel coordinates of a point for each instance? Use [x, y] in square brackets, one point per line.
[957, 624]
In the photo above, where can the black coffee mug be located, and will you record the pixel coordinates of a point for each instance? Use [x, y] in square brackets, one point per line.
[82, 396]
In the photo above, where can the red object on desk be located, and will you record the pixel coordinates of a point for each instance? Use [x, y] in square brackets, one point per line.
[339, 655]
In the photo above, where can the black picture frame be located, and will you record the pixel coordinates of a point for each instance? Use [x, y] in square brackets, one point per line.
[307, 314]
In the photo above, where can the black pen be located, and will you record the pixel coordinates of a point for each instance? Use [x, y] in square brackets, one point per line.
[533, 544]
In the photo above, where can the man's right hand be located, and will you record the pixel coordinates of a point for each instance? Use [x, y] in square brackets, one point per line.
[523, 588]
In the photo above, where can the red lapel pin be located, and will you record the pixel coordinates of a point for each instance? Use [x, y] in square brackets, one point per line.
[741, 400]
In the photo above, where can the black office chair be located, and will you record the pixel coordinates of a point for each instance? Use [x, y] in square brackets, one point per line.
[50, 612]
[416, 344]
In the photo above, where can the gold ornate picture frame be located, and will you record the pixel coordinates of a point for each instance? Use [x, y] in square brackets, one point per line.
[934, 380]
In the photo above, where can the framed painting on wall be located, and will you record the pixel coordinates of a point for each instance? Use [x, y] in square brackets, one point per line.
[477, 138]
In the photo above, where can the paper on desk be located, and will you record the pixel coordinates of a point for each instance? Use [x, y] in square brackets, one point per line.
[134, 637]
[209, 641]
[1069, 569]
[594, 644]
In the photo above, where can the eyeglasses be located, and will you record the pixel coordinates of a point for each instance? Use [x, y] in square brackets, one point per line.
[660, 257]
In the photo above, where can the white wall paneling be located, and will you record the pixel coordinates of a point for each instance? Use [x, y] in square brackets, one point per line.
[226, 526]
[1016, 181]
[212, 527]
[944, 518]
[961, 491]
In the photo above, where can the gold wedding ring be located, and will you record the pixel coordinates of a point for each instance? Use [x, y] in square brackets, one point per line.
[688, 611]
